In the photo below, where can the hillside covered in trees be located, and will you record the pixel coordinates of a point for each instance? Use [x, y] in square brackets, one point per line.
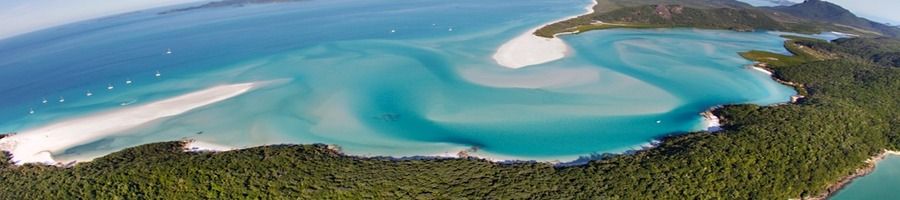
[818, 11]
[812, 16]
[777, 152]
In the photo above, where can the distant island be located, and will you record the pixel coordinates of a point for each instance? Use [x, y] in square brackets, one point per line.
[227, 3]
[811, 16]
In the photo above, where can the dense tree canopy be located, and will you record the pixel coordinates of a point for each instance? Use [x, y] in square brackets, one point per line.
[775, 152]
[669, 16]
[808, 17]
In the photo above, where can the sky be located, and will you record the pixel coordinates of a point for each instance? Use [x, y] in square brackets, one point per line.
[23, 16]
[884, 11]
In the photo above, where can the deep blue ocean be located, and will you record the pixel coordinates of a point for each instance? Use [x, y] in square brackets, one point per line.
[382, 77]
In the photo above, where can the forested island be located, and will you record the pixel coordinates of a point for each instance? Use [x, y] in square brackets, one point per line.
[226, 3]
[811, 16]
[849, 114]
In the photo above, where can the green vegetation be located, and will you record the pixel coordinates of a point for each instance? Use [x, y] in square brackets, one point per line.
[881, 51]
[800, 53]
[585, 28]
[227, 3]
[680, 14]
[825, 14]
[808, 17]
[677, 16]
[774, 58]
[776, 152]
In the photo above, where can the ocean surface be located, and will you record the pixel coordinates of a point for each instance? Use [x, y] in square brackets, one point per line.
[382, 78]
[883, 183]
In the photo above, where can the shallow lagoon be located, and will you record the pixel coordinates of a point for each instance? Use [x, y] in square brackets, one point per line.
[880, 184]
[341, 76]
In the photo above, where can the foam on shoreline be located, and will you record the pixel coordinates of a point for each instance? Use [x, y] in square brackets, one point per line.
[767, 72]
[38, 145]
[711, 121]
[201, 146]
[529, 49]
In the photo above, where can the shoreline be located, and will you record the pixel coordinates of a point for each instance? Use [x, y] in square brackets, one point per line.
[843, 182]
[797, 86]
[712, 122]
[528, 49]
[193, 145]
[760, 69]
[37, 145]
[835, 187]
[472, 153]
[198, 146]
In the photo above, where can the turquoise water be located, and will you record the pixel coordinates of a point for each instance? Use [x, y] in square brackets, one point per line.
[430, 87]
[883, 183]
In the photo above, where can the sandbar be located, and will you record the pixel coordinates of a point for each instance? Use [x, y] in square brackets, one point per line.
[528, 49]
[37, 145]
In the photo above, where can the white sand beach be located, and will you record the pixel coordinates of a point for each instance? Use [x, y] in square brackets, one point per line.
[711, 121]
[198, 146]
[767, 72]
[469, 153]
[528, 49]
[37, 145]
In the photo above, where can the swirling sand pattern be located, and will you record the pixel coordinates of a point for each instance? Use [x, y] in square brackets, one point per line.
[381, 78]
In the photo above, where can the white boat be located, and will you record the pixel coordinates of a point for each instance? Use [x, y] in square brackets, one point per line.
[128, 82]
[450, 29]
[168, 51]
[393, 31]
[110, 87]
[89, 93]
[44, 100]
[658, 121]
[31, 111]
[128, 102]
[61, 99]
[158, 74]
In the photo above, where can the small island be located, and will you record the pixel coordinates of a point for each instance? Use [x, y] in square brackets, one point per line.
[227, 3]
[805, 17]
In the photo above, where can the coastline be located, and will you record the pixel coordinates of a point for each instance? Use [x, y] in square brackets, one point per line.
[712, 122]
[774, 150]
[37, 145]
[763, 67]
[843, 182]
[539, 50]
[529, 49]
[471, 153]
[193, 145]
[760, 69]
[835, 187]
